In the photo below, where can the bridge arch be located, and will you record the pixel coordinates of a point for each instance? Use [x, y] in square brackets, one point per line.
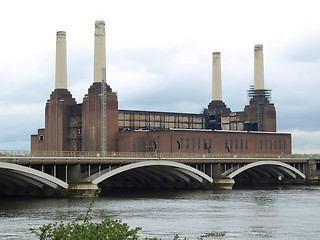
[274, 167]
[156, 170]
[21, 177]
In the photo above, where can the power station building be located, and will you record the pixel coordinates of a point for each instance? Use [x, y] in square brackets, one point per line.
[98, 125]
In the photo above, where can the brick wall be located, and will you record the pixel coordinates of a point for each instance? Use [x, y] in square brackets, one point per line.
[191, 141]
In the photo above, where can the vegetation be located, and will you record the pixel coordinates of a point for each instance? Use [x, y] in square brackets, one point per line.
[82, 228]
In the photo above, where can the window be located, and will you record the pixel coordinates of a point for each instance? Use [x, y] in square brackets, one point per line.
[241, 144]
[205, 146]
[284, 145]
[231, 143]
[260, 144]
[193, 144]
[246, 144]
[226, 144]
[41, 138]
[187, 142]
[181, 143]
[279, 145]
[266, 144]
[236, 143]
[275, 144]
[209, 143]
[270, 143]
[199, 143]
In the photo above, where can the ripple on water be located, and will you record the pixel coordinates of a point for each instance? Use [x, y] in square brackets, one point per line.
[242, 214]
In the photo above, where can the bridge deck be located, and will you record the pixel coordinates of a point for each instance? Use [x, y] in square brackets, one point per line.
[24, 157]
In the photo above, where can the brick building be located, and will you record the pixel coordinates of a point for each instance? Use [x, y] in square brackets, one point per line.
[97, 124]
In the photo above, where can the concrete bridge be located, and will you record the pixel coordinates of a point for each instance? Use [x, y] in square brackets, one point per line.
[81, 173]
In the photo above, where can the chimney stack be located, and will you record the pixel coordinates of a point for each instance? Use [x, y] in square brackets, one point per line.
[216, 77]
[258, 67]
[99, 51]
[61, 61]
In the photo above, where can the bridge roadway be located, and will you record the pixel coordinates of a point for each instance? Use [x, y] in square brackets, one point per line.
[68, 173]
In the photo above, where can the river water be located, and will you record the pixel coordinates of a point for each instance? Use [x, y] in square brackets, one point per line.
[279, 213]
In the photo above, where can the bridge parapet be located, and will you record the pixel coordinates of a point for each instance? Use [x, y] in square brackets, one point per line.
[138, 154]
[127, 160]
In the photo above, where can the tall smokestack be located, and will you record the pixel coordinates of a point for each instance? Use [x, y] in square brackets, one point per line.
[258, 67]
[61, 61]
[216, 77]
[99, 51]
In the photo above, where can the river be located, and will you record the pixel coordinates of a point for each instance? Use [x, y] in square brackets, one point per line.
[278, 213]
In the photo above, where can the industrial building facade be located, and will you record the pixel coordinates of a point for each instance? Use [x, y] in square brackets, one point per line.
[97, 124]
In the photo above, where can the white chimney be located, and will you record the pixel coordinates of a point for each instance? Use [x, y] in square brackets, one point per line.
[258, 67]
[61, 61]
[216, 77]
[99, 51]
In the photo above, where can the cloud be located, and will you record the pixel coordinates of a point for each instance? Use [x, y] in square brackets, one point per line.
[305, 48]
[305, 141]
[18, 122]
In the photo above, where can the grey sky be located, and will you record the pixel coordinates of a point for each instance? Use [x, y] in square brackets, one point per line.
[159, 57]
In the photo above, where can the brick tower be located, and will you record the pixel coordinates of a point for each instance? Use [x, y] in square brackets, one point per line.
[91, 107]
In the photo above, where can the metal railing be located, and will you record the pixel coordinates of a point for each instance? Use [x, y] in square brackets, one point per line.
[5, 153]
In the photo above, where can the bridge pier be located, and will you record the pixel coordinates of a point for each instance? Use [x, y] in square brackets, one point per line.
[81, 188]
[219, 182]
[311, 173]
[223, 184]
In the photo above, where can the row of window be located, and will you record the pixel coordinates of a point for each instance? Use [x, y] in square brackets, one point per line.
[160, 117]
[235, 144]
[230, 144]
[207, 144]
[193, 143]
[276, 144]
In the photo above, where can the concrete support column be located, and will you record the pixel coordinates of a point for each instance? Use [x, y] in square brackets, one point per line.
[216, 77]
[55, 169]
[216, 170]
[99, 51]
[74, 172]
[258, 67]
[66, 172]
[61, 61]
[311, 169]
[311, 173]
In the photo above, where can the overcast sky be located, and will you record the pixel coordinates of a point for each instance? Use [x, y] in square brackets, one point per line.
[159, 57]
